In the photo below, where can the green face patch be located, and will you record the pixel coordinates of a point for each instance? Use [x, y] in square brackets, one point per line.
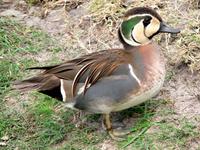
[127, 26]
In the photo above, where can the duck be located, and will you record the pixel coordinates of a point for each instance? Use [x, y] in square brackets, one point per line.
[110, 80]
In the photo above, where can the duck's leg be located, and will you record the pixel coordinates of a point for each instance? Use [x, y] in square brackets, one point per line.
[77, 119]
[116, 134]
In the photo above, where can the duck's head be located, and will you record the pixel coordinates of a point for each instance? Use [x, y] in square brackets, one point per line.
[140, 25]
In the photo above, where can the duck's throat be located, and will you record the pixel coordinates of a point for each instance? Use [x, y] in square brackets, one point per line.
[148, 62]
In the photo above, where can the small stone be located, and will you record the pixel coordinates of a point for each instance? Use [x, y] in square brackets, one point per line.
[198, 97]
[11, 13]
[7, 1]
[5, 138]
[3, 144]
[16, 148]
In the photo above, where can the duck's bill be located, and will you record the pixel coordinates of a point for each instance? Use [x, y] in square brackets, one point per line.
[164, 28]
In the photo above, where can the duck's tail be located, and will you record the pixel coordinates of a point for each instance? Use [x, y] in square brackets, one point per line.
[46, 84]
[34, 83]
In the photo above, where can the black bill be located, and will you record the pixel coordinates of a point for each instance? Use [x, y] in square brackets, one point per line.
[164, 28]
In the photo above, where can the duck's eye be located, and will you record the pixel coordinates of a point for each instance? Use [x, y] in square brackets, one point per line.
[147, 21]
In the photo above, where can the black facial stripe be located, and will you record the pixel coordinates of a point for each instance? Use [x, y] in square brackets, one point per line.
[145, 29]
[147, 20]
[153, 35]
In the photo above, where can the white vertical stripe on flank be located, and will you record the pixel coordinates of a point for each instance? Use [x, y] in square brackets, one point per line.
[62, 90]
[133, 74]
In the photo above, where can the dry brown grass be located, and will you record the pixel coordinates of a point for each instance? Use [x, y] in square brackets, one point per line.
[189, 51]
[195, 3]
[106, 11]
[186, 47]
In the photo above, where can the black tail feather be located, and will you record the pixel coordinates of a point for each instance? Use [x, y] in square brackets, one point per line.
[49, 85]
[42, 68]
[28, 84]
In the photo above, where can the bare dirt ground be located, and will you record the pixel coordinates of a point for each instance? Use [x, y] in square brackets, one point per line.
[79, 34]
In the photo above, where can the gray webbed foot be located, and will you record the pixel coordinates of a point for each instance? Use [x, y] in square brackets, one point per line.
[119, 132]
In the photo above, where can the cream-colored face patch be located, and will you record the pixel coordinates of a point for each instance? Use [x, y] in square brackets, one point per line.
[135, 33]
[138, 33]
[152, 28]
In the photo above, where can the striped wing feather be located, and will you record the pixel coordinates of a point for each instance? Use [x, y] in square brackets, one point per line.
[94, 66]
[97, 68]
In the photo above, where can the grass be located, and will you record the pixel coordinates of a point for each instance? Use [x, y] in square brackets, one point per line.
[34, 121]
[166, 135]
[106, 12]
[185, 49]
[16, 42]
[190, 51]
[33, 2]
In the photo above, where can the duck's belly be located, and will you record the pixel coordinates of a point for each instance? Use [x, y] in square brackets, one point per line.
[141, 96]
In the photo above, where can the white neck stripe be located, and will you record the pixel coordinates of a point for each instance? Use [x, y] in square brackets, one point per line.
[133, 74]
[62, 90]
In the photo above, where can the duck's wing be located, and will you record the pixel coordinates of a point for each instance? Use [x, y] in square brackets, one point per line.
[84, 71]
